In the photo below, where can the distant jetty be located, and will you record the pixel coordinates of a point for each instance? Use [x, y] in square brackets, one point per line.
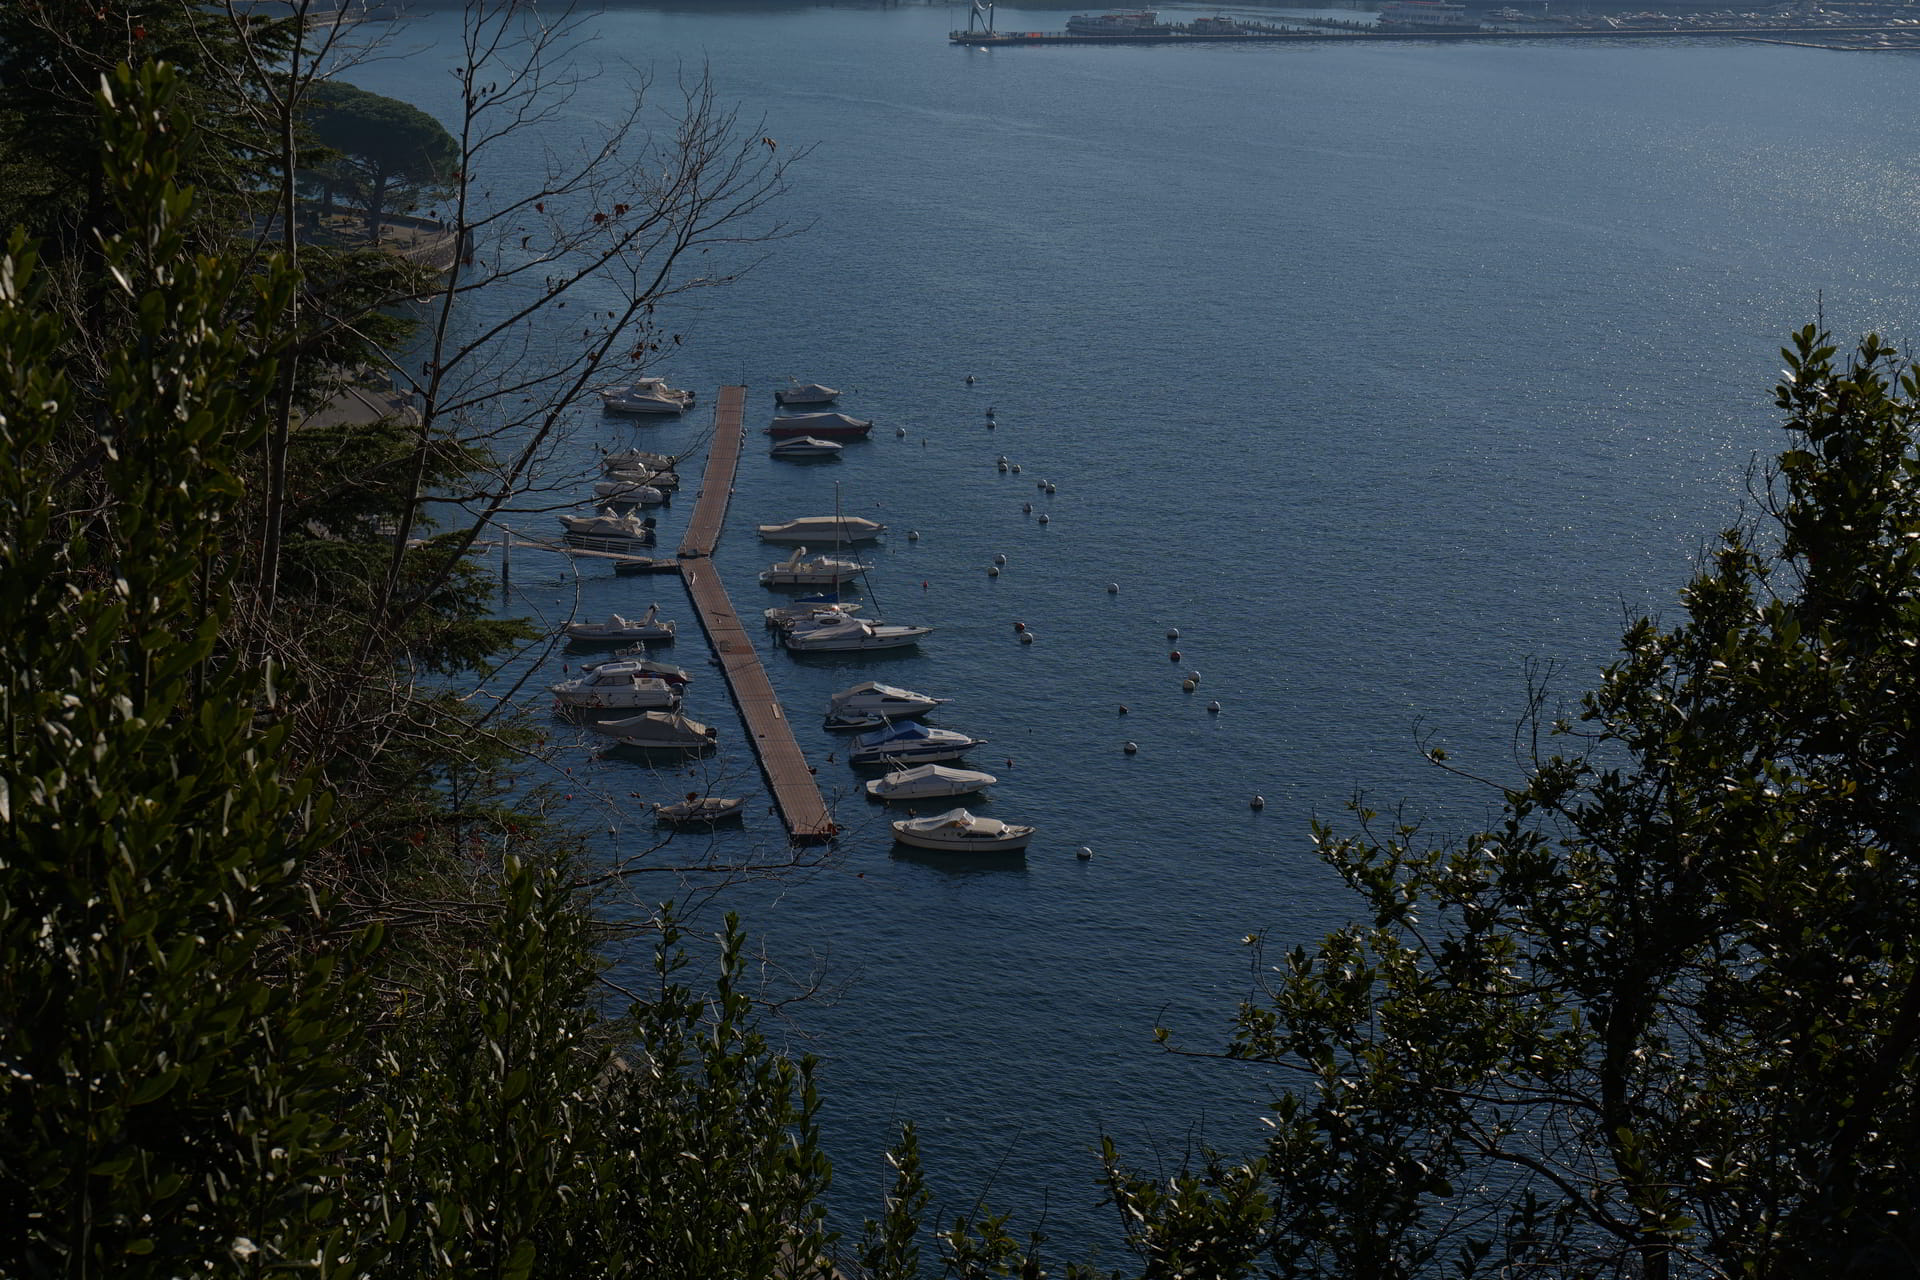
[1144, 27]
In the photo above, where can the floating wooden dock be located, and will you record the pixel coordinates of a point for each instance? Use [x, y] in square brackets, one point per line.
[789, 776]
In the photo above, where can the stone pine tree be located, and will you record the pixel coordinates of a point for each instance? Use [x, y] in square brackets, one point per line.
[387, 154]
[1663, 1018]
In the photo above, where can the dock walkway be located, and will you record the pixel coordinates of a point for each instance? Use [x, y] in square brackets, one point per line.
[788, 774]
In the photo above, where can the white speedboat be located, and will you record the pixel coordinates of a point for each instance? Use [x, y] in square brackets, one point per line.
[869, 704]
[799, 392]
[807, 615]
[821, 571]
[617, 686]
[700, 811]
[608, 532]
[629, 489]
[805, 447]
[646, 397]
[819, 529]
[911, 743]
[822, 426]
[957, 831]
[660, 731]
[852, 635]
[929, 782]
[636, 657]
[617, 629]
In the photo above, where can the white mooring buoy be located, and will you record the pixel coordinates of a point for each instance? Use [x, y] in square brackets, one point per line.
[1130, 747]
[1214, 707]
[993, 571]
[1026, 637]
[1113, 588]
[1084, 854]
[1000, 559]
[1258, 802]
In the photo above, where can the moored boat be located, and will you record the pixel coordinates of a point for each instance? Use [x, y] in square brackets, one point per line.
[821, 426]
[608, 532]
[798, 392]
[700, 811]
[870, 703]
[805, 615]
[805, 447]
[646, 397]
[636, 656]
[660, 731]
[628, 489]
[821, 571]
[617, 686]
[957, 831]
[819, 529]
[617, 629]
[851, 635]
[911, 743]
[638, 460]
[929, 782]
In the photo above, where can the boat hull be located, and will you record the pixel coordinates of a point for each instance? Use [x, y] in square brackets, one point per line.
[998, 844]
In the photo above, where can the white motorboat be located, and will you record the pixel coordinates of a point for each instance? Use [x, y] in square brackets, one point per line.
[629, 489]
[660, 731]
[869, 704]
[646, 396]
[957, 831]
[700, 811]
[805, 447]
[636, 656]
[822, 426]
[617, 629]
[852, 635]
[799, 392]
[807, 615]
[821, 571]
[819, 529]
[617, 686]
[665, 481]
[911, 743]
[608, 532]
[638, 460]
[929, 782]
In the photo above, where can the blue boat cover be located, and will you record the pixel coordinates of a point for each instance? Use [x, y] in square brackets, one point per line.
[898, 733]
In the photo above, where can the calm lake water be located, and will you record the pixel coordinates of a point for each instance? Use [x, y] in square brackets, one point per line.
[1378, 372]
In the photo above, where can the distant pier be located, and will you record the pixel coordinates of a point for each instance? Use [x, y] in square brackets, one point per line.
[1822, 36]
[789, 776]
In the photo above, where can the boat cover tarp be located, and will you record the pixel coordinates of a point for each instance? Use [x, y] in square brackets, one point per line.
[825, 421]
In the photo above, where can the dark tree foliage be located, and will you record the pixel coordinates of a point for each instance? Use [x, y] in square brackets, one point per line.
[53, 54]
[212, 1061]
[1664, 1018]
